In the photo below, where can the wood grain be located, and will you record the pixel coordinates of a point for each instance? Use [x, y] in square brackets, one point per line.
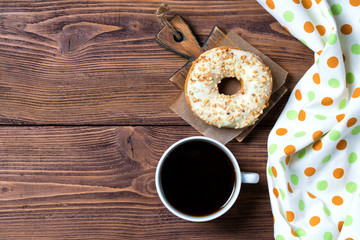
[88, 63]
[97, 63]
[187, 46]
[98, 183]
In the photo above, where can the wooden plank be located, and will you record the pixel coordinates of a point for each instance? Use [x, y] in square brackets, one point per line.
[91, 62]
[98, 183]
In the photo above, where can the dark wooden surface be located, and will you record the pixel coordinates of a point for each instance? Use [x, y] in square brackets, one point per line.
[84, 96]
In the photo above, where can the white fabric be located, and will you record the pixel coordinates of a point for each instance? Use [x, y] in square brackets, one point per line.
[313, 166]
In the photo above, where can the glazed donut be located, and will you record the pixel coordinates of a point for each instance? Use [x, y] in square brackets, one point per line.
[230, 111]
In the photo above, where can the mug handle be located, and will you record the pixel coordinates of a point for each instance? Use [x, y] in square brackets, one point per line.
[249, 177]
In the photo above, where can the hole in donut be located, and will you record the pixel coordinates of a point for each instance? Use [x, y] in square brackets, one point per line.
[229, 86]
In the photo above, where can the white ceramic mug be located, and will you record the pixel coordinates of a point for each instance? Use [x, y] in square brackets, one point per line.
[240, 177]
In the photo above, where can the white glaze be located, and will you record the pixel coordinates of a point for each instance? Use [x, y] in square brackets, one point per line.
[232, 111]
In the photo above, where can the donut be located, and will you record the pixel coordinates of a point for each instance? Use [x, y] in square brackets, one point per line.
[228, 111]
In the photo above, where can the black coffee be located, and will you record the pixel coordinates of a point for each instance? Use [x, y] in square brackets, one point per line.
[197, 178]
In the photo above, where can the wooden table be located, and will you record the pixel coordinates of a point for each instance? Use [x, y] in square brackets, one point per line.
[84, 96]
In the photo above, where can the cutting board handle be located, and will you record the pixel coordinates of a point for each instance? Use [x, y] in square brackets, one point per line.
[188, 46]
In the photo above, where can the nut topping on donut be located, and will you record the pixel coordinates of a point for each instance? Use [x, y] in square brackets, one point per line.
[230, 111]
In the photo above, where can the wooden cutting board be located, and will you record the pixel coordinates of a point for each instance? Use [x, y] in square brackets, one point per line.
[190, 48]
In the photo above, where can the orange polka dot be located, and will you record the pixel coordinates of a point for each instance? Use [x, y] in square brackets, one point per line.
[317, 1]
[321, 29]
[349, 239]
[293, 233]
[273, 169]
[281, 131]
[276, 192]
[317, 145]
[333, 62]
[356, 93]
[317, 134]
[309, 27]
[340, 117]
[342, 144]
[319, 52]
[316, 78]
[309, 171]
[340, 225]
[302, 115]
[287, 159]
[338, 173]
[346, 29]
[351, 122]
[337, 200]
[298, 95]
[306, 3]
[289, 149]
[290, 216]
[289, 188]
[354, 3]
[327, 101]
[315, 220]
[311, 195]
[296, 1]
[270, 4]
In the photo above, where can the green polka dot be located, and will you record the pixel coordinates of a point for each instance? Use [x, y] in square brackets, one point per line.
[326, 159]
[330, 13]
[352, 157]
[291, 114]
[302, 154]
[350, 78]
[270, 172]
[355, 48]
[334, 135]
[320, 117]
[342, 104]
[336, 9]
[332, 39]
[317, 61]
[326, 211]
[303, 41]
[328, 236]
[288, 16]
[282, 194]
[321, 185]
[272, 148]
[279, 237]
[301, 205]
[300, 232]
[299, 134]
[351, 187]
[334, 83]
[311, 95]
[348, 220]
[294, 179]
[283, 165]
[356, 130]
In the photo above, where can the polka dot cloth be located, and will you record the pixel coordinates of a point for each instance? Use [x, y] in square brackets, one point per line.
[314, 148]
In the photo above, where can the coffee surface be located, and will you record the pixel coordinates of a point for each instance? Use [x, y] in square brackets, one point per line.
[197, 178]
